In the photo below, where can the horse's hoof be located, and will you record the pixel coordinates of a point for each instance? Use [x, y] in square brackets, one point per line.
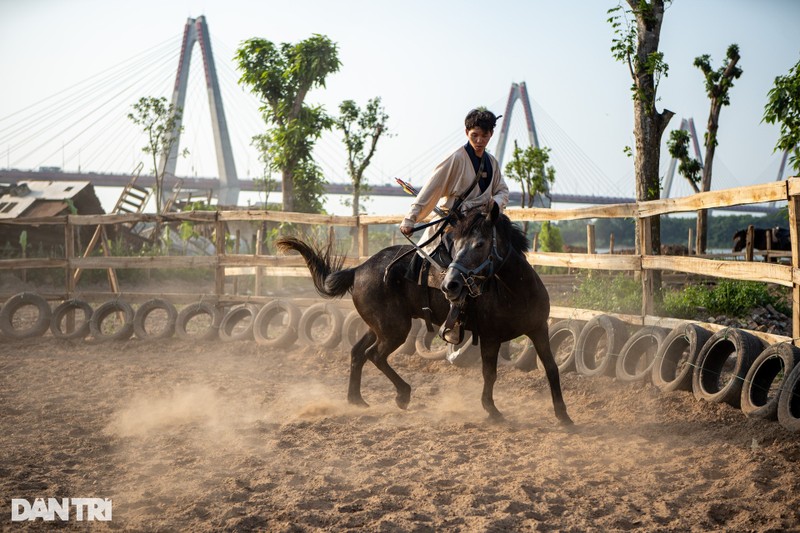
[402, 401]
[496, 417]
[358, 402]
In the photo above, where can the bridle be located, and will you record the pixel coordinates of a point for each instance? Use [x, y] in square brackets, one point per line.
[475, 279]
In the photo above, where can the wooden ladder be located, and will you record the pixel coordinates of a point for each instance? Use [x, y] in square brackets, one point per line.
[133, 199]
[176, 191]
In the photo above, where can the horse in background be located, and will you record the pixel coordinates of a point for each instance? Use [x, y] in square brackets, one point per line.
[780, 239]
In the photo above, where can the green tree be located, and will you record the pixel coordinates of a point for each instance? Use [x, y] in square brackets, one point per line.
[529, 168]
[718, 85]
[159, 121]
[783, 106]
[635, 43]
[688, 167]
[281, 75]
[550, 238]
[361, 128]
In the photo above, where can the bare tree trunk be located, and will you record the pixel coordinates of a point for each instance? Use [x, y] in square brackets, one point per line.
[287, 187]
[648, 127]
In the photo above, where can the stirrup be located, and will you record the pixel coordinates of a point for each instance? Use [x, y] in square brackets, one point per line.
[452, 335]
[451, 331]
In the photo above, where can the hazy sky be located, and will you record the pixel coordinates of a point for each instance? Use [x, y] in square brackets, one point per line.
[430, 61]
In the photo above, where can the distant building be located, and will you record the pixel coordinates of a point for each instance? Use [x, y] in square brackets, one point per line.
[28, 199]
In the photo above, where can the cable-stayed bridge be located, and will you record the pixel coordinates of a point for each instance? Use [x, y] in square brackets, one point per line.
[83, 133]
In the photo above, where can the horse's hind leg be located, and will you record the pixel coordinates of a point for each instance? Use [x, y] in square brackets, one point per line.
[379, 353]
[358, 356]
[541, 342]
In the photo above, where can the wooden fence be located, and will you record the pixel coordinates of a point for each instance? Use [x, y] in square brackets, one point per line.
[225, 264]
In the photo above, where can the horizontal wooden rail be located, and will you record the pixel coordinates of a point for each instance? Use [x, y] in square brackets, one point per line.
[741, 270]
[587, 261]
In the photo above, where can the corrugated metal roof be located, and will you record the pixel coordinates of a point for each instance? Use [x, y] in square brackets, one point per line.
[45, 192]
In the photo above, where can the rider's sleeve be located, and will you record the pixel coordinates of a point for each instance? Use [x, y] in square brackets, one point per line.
[436, 187]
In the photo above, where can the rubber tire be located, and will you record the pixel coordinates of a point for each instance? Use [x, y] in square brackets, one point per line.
[102, 312]
[712, 358]
[666, 373]
[409, 347]
[141, 317]
[353, 329]
[15, 303]
[789, 402]
[267, 314]
[464, 354]
[560, 332]
[755, 401]
[634, 349]
[62, 309]
[423, 345]
[615, 332]
[310, 315]
[232, 318]
[192, 310]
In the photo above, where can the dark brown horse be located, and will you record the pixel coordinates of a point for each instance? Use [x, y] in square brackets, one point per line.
[507, 300]
[780, 239]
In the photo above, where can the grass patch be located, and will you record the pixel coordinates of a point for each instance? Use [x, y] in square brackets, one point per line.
[623, 294]
[726, 297]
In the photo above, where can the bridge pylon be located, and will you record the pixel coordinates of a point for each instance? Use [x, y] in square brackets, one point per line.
[519, 91]
[196, 31]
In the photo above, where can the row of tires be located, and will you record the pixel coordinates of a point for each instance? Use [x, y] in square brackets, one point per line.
[730, 366]
[278, 324]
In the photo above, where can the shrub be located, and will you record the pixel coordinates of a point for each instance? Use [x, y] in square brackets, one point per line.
[614, 294]
[727, 297]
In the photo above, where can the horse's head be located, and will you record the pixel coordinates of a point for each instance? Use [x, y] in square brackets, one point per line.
[475, 254]
[739, 240]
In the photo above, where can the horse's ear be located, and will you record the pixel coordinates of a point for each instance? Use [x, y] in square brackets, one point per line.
[493, 211]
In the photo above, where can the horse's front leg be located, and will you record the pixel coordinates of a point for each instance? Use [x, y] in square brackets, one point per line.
[541, 342]
[489, 351]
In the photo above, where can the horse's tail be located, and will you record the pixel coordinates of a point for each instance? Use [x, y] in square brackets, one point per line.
[330, 280]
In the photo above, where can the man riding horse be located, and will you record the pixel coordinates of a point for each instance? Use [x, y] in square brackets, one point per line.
[470, 178]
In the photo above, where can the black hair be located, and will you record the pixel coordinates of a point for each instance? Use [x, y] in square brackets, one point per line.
[480, 118]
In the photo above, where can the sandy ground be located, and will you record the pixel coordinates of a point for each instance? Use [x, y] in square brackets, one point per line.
[229, 436]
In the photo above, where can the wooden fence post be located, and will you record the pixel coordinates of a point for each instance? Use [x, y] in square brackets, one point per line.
[748, 248]
[590, 242]
[768, 236]
[611, 244]
[689, 244]
[69, 255]
[794, 231]
[219, 278]
[236, 248]
[259, 250]
[645, 243]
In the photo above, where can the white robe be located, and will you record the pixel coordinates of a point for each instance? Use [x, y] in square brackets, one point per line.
[451, 178]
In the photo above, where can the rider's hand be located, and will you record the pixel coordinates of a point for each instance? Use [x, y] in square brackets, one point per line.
[407, 230]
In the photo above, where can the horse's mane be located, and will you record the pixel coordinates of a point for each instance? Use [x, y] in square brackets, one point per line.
[507, 231]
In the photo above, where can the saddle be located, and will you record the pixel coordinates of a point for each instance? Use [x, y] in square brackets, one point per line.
[452, 330]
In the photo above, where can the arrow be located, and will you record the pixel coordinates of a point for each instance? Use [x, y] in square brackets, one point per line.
[409, 189]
